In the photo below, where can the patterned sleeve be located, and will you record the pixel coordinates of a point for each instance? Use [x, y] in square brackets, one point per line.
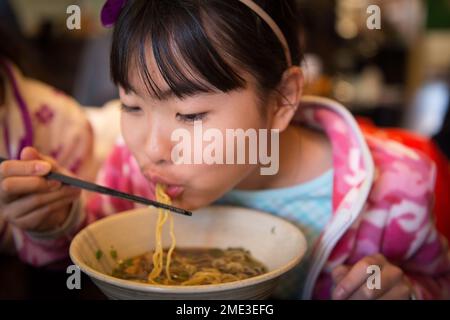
[428, 263]
[410, 238]
[60, 130]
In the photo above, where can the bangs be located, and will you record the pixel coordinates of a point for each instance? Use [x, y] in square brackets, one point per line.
[185, 56]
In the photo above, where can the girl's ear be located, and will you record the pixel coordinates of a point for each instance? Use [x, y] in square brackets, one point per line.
[287, 98]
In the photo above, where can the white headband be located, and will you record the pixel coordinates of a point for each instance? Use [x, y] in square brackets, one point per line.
[272, 24]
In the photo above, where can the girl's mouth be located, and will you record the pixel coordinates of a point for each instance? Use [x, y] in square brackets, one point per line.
[172, 190]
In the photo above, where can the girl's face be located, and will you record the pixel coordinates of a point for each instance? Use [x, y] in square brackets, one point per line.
[147, 126]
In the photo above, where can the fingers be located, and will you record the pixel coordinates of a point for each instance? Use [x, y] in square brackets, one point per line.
[56, 218]
[30, 153]
[29, 204]
[356, 277]
[352, 283]
[400, 292]
[26, 176]
[19, 177]
[37, 218]
[390, 278]
[22, 168]
[11, 188]
[339, 273]
[27, 199]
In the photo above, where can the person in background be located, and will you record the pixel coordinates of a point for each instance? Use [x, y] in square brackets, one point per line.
[41, 129]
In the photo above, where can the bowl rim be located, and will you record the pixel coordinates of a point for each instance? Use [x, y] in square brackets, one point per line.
[174, 289]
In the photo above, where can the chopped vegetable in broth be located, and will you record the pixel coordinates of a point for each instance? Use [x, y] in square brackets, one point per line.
[194, 267]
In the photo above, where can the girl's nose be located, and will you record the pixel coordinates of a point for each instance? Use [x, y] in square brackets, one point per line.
[158, 144]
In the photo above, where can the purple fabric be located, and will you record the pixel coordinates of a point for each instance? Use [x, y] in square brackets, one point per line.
[6, 138]
[28, 139]
[55, 153]
[45, 114]
[111, 11]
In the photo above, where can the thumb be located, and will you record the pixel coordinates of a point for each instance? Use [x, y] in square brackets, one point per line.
[46, 164]
[339, 273]
[30, 153]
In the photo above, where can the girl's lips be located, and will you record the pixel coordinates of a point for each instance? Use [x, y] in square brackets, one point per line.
[172, 190]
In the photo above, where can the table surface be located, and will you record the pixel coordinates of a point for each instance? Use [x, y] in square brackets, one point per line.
[20, 281]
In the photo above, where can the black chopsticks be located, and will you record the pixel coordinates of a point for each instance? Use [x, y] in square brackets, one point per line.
[111, 192]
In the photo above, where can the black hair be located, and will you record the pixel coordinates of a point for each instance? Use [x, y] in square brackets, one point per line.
[198, 45]
[2, 88]
[9, 50]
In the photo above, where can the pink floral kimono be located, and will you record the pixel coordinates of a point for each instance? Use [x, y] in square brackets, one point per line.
[39, 116]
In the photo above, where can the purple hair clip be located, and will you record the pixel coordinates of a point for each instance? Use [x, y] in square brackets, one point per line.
[111, 11]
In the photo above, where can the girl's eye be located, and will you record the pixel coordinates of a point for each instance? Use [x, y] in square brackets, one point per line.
[191, 118]
[130, 109]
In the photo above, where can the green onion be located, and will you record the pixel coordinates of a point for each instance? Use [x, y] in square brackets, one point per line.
[128, 262]
[113, 253]
[99, 254]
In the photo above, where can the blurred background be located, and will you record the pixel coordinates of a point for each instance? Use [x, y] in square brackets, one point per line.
[398, 75]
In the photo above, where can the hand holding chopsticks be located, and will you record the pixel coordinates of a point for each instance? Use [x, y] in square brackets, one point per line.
[107, 191]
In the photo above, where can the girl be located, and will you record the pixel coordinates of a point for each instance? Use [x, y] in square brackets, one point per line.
[41, 129]
[361, 201]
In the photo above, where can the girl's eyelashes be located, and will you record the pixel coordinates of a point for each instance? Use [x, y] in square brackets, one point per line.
[187, 118]
[192, 117]
[129, 109]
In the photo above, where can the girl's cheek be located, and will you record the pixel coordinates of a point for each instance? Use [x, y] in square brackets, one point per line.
[132, 133]
[124, 126]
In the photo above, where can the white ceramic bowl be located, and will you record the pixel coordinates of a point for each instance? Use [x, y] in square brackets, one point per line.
[275, 242]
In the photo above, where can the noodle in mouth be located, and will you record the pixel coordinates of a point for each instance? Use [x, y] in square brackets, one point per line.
[187, 266]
